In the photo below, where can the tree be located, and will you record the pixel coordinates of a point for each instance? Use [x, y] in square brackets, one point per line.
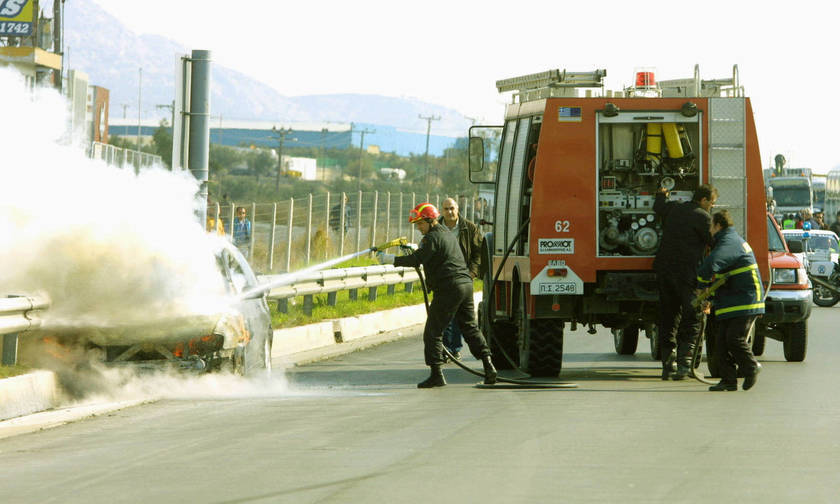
[162, 142]
[261, 163]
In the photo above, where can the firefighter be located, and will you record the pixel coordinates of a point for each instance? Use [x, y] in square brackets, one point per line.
[685, 238]
[449, 279]
[737, 302]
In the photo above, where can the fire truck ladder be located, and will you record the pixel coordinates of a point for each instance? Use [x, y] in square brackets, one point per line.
[553, 83]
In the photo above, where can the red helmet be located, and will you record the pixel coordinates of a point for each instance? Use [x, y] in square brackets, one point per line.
[423, 211]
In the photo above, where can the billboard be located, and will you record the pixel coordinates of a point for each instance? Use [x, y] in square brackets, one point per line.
[16, 18]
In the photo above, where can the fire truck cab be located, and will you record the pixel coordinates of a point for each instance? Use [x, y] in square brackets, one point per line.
[574, 233]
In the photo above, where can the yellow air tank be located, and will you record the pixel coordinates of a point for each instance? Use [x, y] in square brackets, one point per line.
[672, 140]
[654, 143]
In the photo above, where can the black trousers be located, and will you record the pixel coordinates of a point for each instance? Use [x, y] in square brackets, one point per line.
[452, 301]
[732, 349]
[679, 322]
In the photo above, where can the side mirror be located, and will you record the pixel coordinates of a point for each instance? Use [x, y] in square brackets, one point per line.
[795, 246]
[476, 154]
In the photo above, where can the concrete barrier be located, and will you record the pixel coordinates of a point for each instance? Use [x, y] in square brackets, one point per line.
[29, 393]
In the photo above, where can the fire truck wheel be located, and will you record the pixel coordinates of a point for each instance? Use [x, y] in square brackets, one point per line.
[545, 353]
[626, 340]
[796, 341]
[653, 335]
[504, 339]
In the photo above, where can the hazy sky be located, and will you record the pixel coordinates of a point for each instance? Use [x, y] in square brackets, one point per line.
[452, 52]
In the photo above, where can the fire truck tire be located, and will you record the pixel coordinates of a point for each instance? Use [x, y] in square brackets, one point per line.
[653, 335]
[626, 340]
[796, 341]
[545, 356]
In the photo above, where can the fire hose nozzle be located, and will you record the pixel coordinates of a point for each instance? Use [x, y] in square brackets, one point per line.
[393, 243]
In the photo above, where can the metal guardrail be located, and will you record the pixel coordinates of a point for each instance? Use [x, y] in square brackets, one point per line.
[18, 314]
[333, 281]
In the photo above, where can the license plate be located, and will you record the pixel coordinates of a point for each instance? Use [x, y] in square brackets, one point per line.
[558, 288]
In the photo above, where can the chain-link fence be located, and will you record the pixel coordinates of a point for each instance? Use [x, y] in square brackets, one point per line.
[292, 234]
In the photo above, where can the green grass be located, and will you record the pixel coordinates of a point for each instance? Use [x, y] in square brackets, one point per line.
[9, 371]
[345, 307]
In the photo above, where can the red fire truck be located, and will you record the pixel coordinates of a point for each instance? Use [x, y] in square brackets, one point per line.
[574, 233]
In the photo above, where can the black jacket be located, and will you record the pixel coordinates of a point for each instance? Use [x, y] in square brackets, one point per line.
[441, 257]
[470, 240]
[732, 258]
[685, 236]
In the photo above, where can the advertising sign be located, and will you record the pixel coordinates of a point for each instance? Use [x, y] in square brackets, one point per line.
[16, 18]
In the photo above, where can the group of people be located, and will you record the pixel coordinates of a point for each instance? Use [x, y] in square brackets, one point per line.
[813, 221]
[685, 273]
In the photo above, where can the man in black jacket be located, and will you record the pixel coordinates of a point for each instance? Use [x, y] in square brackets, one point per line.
[450, 281]
[685, 237]
[469, 239]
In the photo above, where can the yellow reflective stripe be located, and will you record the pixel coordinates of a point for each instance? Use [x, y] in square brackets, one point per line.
[739, 308]
[701, 279]
[741, 270]
[746, 247]
[418, 210]
[757, 287]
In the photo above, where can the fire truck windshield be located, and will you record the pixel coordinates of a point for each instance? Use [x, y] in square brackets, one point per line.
[792, 196]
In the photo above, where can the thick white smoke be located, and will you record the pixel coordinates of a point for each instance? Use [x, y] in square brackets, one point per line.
[107, 246]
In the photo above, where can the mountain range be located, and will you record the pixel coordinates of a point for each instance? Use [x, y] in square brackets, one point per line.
[98, 44]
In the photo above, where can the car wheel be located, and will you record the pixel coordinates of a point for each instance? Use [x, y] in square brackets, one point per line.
[796, 341]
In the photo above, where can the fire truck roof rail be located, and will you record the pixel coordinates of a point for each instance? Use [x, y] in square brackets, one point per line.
[552, 78]
[694, 87]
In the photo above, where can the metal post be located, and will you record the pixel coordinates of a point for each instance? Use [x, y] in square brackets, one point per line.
[341, 224]
[373, 224]
[289, 235]
[139, 107]
[388, 217]
[327, 227]
[400, 214]
[271, 245]
[199, 141]
[413, 205]
[232, 216]
[10, 349]
[253, 230]
[309, 230]
[359, 223]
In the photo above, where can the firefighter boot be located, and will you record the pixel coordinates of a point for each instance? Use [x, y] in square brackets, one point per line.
[434, 380]
[489, 371]
[684, 353]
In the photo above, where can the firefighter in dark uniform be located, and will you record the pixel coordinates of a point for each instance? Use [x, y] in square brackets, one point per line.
[686, 235]
[736, 303]
[448, 277]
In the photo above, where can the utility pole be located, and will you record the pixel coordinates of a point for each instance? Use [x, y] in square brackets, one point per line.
[139, 105]
[124, 106]
[280, 136]
[171, 109]
[428, 120]
[361, 152]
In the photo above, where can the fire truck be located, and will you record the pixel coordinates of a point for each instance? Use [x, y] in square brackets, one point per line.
[574, 233]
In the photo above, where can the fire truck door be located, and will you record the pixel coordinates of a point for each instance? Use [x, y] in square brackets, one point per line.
[510, 183]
